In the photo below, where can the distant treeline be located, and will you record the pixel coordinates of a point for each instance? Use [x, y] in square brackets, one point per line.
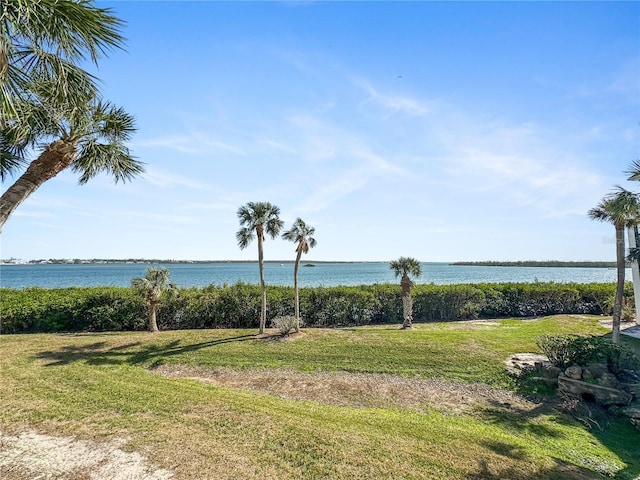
[533, 263]
[238, 306]
[76, 261]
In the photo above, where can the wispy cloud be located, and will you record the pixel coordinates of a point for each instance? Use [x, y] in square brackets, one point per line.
[333, 190]
[166, 179]
[393, 103]
[518, 163]
[193, 144]
[354, 165]
[274, 145]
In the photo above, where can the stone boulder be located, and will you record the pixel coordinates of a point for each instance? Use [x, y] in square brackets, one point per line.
[574, 372]
[590, 392]
[633, 413]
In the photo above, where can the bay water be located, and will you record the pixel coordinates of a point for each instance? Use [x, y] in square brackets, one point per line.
[276, 273]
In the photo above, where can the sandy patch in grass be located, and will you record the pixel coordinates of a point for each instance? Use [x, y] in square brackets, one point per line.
[364, 390]
[33, 456]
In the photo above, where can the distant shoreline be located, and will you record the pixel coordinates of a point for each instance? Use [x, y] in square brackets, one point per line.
[155, 261]
[532, 263]
[142, 261]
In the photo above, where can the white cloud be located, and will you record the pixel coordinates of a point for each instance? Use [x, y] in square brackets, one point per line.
[192, 144]
[166, 179]
[393, 103]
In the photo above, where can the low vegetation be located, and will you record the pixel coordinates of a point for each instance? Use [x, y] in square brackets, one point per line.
[566, 350]
[362, 402]
[239, 306]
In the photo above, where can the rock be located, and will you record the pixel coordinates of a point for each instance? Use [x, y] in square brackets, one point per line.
[550, 371]
[632, 411]
[522, 363]
[633, 389]
[596, 369]
[574, 372]
[588, 375]
[593, 393]
[549, 382]
[608, 380]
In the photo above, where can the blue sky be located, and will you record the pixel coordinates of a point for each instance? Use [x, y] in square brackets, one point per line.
[439, 130]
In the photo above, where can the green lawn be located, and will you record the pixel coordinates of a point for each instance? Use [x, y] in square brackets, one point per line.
[100, 387]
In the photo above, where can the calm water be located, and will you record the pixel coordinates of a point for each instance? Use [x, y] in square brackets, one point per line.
[322, 274]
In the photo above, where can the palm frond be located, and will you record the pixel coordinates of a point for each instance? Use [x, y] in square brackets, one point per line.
[301, 233]
[111, 158]
[633, 171]
[155, 281]
[260, 216]
[245, 236]
[406, 266]
[620, 207]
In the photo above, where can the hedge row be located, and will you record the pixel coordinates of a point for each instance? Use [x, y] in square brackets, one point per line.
[238, 306]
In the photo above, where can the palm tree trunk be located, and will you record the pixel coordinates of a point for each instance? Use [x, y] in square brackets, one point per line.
[407, 303]
[57, 156]
[263, 288]
[153, 324]
[620, 263]
[295, 290]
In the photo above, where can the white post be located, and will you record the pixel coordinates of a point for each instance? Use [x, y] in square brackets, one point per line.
[635, 272]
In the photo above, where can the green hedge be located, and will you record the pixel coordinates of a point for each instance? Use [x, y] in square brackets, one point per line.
[238, 306]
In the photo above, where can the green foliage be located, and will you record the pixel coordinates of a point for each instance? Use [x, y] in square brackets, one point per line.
[447, 302]
[238, 305]
[71, 309]
[566, 350]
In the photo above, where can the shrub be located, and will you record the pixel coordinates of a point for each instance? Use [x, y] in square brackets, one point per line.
[567, 350]
[238, 306]
[285, 324]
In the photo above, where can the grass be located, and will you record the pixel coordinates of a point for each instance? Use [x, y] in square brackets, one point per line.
[103, 387]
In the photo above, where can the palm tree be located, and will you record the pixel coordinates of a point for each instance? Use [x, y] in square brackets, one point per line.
[403, 267]
[301, 233]
[45, 40]
[47, 99]
[622, 209]
[256, 218]
[634, 175]
[634, 171]
[155, 281]
[88, 136]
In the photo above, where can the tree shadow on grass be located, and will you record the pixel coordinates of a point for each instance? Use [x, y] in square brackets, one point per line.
[617, 435]
[560, 471]
[134, 353]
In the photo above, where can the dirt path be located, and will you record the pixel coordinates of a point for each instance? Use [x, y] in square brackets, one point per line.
[364, 390]
[31, 456]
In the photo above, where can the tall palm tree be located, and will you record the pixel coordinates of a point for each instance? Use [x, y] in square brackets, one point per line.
[622, 209]
[301, 233]
[155, 281]
[46, 40]
[89, 137]
[47, 99]
[403, 267]
[256, 219]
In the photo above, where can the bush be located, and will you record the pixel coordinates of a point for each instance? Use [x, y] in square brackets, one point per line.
[566, 350]
[285, 324]
[238, 306]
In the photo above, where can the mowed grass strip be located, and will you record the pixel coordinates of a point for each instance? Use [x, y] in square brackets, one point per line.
[100, 387]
